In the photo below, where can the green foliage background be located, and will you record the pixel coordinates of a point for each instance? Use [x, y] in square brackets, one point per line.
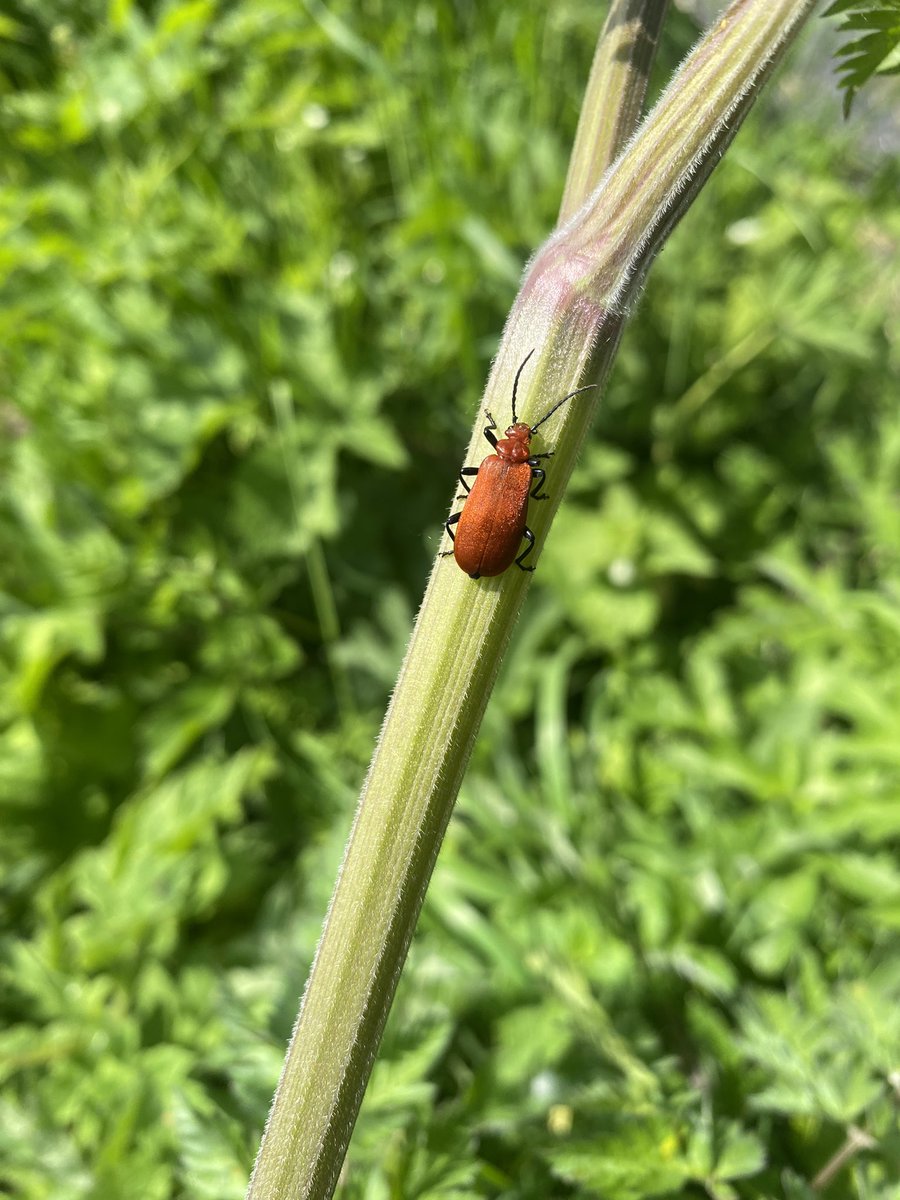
[256, 256]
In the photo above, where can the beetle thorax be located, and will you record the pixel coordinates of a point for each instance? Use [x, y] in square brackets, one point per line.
[514, 447]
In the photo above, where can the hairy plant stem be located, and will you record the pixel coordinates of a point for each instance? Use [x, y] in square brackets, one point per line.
[571, 310]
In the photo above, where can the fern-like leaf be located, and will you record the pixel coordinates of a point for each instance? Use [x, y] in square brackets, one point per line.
[875, 52]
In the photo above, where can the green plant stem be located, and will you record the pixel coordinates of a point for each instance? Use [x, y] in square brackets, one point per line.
[615, 94]
[571, 309]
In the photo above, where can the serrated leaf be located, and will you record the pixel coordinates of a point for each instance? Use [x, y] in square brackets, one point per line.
[41, 641]
[186, 715]
[876, 52]
[740, 1153]
[638, 1160]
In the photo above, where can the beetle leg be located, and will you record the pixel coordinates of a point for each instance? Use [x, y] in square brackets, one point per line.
[529, 538]
[537, 478]
[466, 471]
[489, 429]
[452, 521]
[534, 457]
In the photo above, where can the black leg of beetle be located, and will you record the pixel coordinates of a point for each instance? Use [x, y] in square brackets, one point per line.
[537, 479]
[489, 429]
[538, 475]
[466, 471]
[451, 521]
[529, 538]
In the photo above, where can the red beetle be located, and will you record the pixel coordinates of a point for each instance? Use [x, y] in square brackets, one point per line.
[491, 526]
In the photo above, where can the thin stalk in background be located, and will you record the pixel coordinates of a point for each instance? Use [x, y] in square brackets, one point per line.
[571, 309]
[620, 72]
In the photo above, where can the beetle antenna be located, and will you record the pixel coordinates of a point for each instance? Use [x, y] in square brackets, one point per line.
[560, 403]
[516, 382]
